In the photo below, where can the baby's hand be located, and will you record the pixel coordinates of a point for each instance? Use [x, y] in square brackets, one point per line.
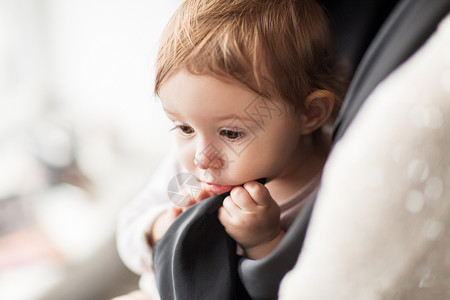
[192, 199]
[252, 218]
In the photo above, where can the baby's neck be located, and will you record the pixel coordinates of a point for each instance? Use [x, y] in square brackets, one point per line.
[307, 165]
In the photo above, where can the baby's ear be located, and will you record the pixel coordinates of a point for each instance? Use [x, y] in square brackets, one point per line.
[317, 109]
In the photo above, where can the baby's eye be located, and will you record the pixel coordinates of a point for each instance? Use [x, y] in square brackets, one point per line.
[186, 130]
[232, 135]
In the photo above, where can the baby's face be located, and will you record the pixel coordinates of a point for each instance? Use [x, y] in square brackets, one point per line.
[226, 134]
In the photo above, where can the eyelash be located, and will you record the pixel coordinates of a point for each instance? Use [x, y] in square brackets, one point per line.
[236, 135]
[184, 129]
[228, 134]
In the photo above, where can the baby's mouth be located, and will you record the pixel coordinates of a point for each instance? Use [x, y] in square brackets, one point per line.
[216, 188]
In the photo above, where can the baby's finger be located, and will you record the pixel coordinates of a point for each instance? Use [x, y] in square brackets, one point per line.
[175, 212]
[192, 198]
[258, 192]
[223, 215]
[232, 209]
[204, 194]
[242, 199]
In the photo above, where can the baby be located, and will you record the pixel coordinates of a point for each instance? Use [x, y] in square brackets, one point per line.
[250, 86]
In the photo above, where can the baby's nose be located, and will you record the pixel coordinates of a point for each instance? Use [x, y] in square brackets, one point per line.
[209, 157]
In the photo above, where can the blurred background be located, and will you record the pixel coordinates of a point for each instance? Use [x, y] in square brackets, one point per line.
[80, 135]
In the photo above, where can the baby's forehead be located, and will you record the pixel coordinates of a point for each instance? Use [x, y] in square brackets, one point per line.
[213, 83]
[215, 96]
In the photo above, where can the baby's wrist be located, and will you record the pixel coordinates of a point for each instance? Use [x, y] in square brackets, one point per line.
[265, 248]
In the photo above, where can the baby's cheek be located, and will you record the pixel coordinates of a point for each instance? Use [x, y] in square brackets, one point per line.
[245, 171]
[186, 154]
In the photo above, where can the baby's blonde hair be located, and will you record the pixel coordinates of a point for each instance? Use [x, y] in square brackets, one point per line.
[280, 49]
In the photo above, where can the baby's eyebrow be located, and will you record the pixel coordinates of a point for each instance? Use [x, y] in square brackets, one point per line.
[232, 117]
[169, 112]
[245, 118]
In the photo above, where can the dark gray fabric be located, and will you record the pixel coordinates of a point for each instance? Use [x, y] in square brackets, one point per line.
[196, 258]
